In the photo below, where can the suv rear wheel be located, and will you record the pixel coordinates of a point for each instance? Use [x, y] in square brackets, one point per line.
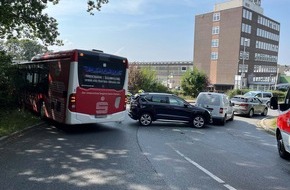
[145, 119]
[198, 121]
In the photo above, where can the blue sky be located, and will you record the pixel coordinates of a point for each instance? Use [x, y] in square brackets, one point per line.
[148, 30]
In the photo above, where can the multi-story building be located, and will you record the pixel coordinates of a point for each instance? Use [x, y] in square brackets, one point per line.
[236, 45]
[168, 73]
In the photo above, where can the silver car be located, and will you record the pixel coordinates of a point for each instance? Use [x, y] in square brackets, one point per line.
[218, 104]
[249, 106]
[263, 96]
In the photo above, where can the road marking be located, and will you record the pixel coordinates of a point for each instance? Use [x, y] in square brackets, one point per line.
[216, 178]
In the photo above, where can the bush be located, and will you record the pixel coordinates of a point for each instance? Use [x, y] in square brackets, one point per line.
[232, 93]
[280, 94]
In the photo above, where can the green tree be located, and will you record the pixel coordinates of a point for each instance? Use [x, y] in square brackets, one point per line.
[148, 79]
[144, 79]
[6, 79]
[193, 82]
[23, 49]
[135, 79]
[25, 19]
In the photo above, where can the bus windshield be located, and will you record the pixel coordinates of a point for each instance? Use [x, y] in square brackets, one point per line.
[101, 71]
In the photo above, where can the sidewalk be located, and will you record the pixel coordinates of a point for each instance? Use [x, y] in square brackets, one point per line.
[265, 123]
[18, 133]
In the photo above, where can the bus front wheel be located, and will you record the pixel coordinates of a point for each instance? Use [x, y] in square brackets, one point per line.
[41, 109]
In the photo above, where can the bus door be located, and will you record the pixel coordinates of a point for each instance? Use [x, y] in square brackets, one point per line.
[58, 87]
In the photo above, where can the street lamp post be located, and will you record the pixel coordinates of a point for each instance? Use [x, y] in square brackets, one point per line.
[276, 81]
[243, 68]
[270, 81]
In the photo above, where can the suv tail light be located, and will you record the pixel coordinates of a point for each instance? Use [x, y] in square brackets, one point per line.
[72, 102]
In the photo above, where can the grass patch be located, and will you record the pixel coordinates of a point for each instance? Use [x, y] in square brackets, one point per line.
[15, 120]
[272, 123]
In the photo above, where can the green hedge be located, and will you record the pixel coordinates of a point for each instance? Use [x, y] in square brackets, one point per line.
[232, 93]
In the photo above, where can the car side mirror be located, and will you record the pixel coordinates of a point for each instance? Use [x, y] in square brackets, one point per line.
[274, 103]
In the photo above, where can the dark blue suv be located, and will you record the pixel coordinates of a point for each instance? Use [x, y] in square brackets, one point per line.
[148, 107]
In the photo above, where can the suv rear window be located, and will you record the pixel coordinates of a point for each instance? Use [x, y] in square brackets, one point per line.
[209, 99]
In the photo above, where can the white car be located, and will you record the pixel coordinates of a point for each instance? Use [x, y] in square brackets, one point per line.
[218, 104]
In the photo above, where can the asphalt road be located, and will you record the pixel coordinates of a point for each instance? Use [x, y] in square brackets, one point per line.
[127, 156]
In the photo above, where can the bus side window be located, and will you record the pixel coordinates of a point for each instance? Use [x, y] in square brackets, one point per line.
[29, 77]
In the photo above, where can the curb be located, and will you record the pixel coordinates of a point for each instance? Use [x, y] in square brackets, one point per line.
[17, 133]
[261, 124]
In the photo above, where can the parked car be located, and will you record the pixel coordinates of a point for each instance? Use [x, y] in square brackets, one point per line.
[218, 104]
[249, 106]
[263, 96]
[148, 107]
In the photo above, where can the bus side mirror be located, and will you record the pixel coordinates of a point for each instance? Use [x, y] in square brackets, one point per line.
[274, 103]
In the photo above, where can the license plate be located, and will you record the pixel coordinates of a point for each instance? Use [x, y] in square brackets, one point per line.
[100, 116]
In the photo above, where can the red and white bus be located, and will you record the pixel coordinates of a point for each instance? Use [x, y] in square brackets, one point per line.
[76, 86]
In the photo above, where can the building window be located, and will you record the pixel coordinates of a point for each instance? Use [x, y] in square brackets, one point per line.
[245, 41]
[241, 68]
[268, 23]
[215, 43]
[265, 69]
[216, 17]
[183, 69]
[215, 30]
[247, 14]
[268, 35]
[266, 58]
[246, 56]
[264, 79]
[266, 46]
[246, 28]
[214, 55]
